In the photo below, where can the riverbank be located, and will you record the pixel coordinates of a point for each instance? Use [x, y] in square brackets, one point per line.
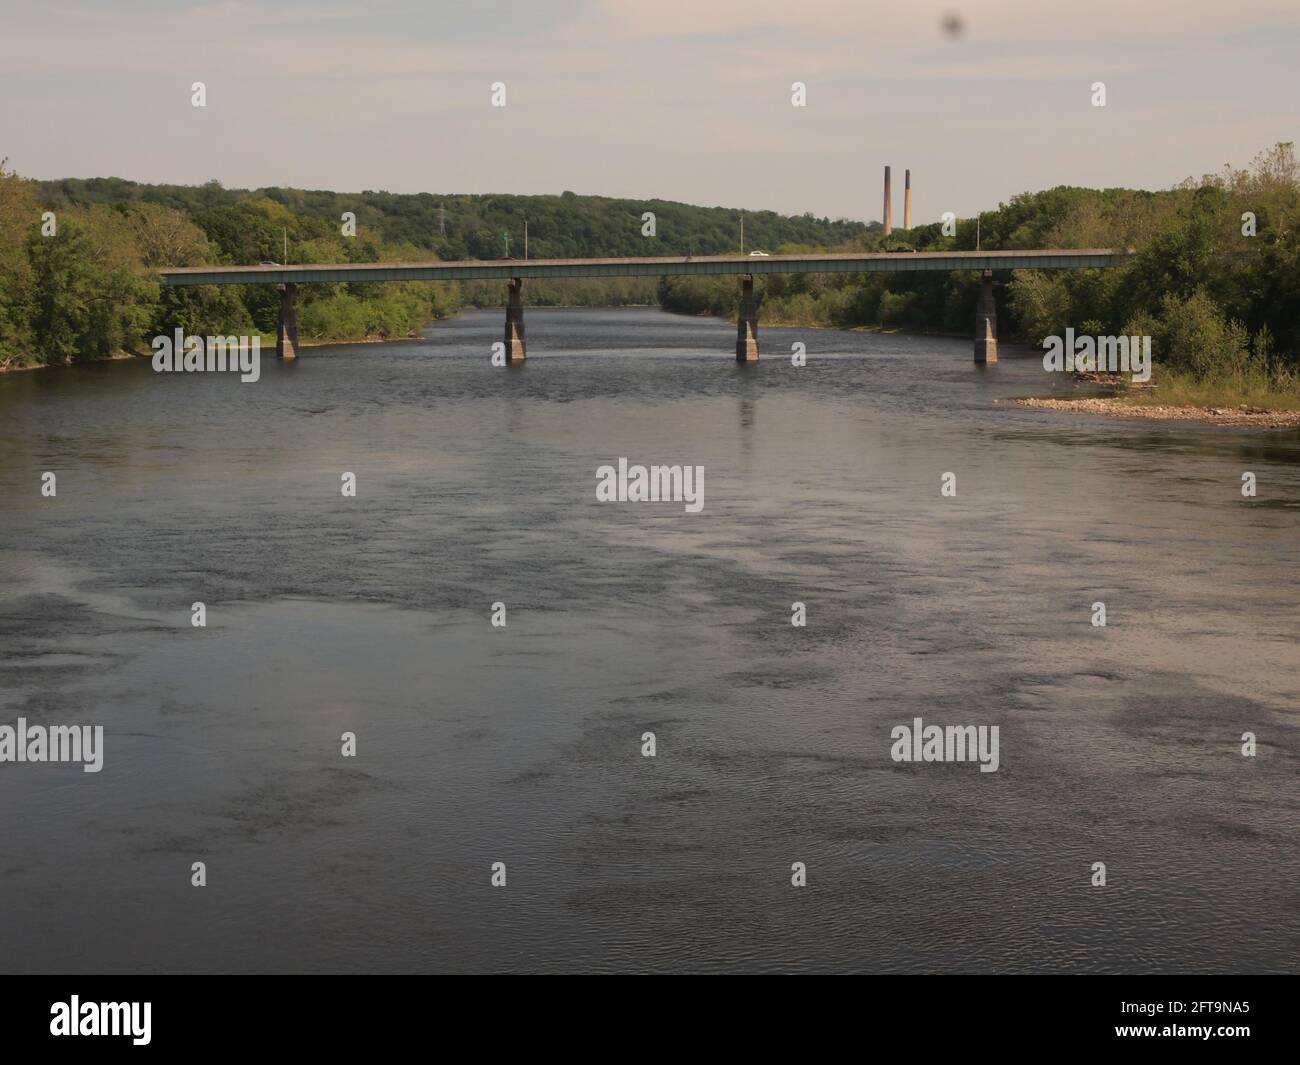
[268, 346]
[67, 362]
[1241, 417]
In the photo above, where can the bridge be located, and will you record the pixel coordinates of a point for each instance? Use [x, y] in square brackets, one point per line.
[515, 271]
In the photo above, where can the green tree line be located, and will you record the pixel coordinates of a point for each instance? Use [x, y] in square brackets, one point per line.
[78, 277]
[453, 227]
[1215, 280]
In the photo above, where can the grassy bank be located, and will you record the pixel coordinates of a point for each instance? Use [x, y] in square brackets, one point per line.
[1244, 400]
[1272, 392]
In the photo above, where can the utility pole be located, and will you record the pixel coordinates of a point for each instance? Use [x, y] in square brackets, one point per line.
[442, 219]
[977, 231]
[742, 232]
[286, 246]
[525, 238]
[506, 238]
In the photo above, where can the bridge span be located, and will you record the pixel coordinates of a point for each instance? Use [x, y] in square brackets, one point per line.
[286, 278]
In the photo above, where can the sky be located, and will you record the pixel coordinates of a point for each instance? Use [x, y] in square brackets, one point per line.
[684, 100]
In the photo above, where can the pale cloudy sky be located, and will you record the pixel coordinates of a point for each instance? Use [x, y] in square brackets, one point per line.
[674, 99]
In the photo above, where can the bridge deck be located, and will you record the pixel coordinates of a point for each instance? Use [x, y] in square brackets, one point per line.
[884, 262]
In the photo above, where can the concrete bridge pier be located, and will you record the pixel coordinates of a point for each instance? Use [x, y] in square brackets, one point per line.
[986, 322]
[515, 322]
[747, 322]
[286, 337]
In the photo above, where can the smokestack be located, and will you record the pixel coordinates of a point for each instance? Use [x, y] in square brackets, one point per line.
[889, 213]
[907, 199]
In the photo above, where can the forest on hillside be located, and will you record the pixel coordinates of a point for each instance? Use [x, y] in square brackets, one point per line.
[566, 226]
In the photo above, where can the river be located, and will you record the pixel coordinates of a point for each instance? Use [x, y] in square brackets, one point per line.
[522, 744]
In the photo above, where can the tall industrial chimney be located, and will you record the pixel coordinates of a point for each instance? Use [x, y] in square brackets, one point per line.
[907, 199]
[889, 212]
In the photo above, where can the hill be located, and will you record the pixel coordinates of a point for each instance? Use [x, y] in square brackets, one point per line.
[461, 226]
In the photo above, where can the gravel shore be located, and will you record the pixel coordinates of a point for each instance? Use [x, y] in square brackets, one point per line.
[1234, 417]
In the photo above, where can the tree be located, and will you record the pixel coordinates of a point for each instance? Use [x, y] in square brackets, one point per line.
[63, 286]
[166, 237]
[19, 214]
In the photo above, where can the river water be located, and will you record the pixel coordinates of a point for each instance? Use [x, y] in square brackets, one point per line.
[522, 744]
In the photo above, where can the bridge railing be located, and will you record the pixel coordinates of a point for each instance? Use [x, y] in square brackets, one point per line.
[735, 265]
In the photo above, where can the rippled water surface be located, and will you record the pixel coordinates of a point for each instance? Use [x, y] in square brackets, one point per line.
[523, 745]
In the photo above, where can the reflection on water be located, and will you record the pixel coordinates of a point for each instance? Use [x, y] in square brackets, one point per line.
[522, 744]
